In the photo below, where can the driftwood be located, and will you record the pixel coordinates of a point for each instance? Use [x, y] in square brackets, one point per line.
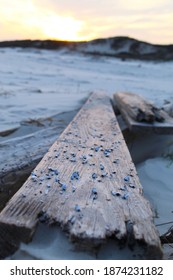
[86, 183]
[138, 108]
[141, 115]
[20, 155]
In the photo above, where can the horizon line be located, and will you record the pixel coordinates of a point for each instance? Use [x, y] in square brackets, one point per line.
[86, 41]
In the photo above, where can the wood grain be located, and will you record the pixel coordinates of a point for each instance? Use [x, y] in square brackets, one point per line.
[86, 183]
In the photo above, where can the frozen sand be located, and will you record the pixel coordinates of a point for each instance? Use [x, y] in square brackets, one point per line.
[40, 83]
[36, 84]
[156, 176]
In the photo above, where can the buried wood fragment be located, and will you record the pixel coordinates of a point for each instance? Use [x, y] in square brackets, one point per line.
[97, 203]
[167, 237]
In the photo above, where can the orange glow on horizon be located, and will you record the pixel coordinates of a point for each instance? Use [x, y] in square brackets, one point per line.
[149, 20]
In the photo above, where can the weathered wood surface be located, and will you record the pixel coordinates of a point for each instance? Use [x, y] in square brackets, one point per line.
[141, 115]
[87, 183]
[138, 108]
[20, 155]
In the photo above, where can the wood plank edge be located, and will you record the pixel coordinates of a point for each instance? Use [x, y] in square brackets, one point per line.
[10, 243]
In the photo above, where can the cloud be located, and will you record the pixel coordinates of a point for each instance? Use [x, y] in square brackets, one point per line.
[104, 8]
[90, 18]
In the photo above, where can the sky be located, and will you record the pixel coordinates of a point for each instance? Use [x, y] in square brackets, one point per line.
[75, 20]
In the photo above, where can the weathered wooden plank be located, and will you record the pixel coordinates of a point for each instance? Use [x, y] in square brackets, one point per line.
[87, 183]
[138, 108]
[19, 156]
[141, 115]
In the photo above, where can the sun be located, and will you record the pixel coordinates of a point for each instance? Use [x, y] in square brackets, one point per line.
[62, 28]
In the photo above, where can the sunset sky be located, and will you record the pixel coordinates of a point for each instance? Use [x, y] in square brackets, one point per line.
[147, 20]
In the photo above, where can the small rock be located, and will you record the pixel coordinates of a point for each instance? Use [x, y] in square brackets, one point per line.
[94, 190]
[63, 187]
[124, 188]
[75, 175]
[41, 179]
[115, 193]
[97, 148]
[125, 196]
[101, 167]
[127, 178]
[132, 186]
[77, 208]
[73, 188]
[104, 174]
[94, 175]
[57, 180]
